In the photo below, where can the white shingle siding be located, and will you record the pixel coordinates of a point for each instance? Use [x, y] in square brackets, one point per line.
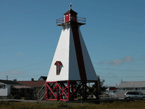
[66, 53]
[61, 54]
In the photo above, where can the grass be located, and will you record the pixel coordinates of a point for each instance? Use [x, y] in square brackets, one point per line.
[63, 105]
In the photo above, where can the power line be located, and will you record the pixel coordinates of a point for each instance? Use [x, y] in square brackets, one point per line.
[120, 69]
[26, 66]
[34, 69]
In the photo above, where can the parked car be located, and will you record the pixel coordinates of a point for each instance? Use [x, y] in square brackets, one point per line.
[134, 95]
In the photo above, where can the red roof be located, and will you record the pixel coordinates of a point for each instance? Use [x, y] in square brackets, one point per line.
[70, 11]
[32, 83]
[58, 63]
[112, 88]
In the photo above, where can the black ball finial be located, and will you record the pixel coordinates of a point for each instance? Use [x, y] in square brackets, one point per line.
[70, 6]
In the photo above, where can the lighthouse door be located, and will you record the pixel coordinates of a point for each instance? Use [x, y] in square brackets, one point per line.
[67, 18]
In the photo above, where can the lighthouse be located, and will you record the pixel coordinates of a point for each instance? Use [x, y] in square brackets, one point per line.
[71, 70]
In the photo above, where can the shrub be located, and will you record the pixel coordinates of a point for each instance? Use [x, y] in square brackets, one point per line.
[16, 97]
[63, 105]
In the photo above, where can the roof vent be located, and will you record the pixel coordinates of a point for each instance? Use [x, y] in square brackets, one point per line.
[32, 79]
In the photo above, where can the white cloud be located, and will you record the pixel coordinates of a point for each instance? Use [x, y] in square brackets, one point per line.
[11, 77]
[127, 59]
[121, 61]
[1, 73]
[115, 62]
[100, 63]
[20, 53]
[143, 56]
[14, 72]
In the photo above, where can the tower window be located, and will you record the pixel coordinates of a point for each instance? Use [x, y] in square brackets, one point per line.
[58, 67]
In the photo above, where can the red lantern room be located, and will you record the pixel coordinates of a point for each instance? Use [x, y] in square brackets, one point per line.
[70, 16]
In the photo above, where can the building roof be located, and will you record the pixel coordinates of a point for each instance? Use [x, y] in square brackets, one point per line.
[131, 84]
[70, 11]
[10, 82]
[22, 87]
[42, 78]
[32, 83]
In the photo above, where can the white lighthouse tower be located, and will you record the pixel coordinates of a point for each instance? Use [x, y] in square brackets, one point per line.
[71, 69]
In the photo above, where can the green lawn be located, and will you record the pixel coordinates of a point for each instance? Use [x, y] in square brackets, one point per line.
[63, 105]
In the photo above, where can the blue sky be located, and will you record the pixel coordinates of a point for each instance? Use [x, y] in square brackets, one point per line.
[114, 35]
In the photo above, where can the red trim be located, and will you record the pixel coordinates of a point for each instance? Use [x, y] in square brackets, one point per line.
[62, 90]
[58, 63]
[51, 90]
[63, 99]
[67, 90]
